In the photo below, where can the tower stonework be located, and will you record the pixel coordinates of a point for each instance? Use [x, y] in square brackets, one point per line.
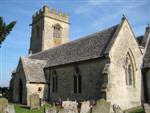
[49, 29]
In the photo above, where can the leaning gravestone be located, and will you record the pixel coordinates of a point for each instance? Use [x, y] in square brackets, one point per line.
[117, 109]
[147, 108]
[85, 107]
[70, 106]
[34, 101]
[101, 107]
[3, 105]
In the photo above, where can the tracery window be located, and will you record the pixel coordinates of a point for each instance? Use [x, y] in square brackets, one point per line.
[77, 81]
[129, 71]
[57, 31]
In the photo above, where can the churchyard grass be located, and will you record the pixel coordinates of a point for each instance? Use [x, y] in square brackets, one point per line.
[24, 109]
[137, 110]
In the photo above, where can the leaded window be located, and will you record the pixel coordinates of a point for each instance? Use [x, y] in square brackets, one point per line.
[77, 81]
[54, 82]
[129, 71]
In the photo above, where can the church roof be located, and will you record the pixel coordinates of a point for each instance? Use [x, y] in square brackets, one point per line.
[89, 47]
[33, 69]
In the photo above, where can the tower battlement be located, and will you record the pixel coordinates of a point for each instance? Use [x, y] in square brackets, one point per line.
[51, 13]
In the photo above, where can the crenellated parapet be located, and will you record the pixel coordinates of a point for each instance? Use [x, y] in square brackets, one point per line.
[51, 13]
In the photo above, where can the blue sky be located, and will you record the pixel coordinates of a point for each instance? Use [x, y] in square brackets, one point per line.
[86, 17]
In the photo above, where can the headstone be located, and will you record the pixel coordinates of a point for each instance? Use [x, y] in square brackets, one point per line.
[10, 108]
[51, 110]
[147, 108]
[42, 102]
[70, 106]
[101, 107]
[85, 107]
[62, 111]
[34, 101]
[117, 109]
[3, 105]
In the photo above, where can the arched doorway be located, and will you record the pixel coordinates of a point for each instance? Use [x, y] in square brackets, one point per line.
[20, 90]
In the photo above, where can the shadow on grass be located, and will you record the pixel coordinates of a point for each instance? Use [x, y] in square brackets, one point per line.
[25, 107]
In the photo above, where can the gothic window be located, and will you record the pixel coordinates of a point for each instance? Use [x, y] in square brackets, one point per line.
[54, 82]
[130, 74]
[57, 31]
[77, 81]
[129, 70]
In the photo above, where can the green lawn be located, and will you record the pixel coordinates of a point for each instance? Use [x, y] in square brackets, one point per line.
[137, 110]
[24, 109]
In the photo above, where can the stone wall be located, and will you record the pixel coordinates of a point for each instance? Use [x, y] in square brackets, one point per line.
[34, 88]
[146, 77]
[92, 81]
[117, 91]
[36, 41]
[48, 40]
[18, 80]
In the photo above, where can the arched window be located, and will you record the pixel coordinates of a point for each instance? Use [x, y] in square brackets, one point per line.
[129, 71]
[57, 31]
[130, 74]
[77, 81]
[54, 84]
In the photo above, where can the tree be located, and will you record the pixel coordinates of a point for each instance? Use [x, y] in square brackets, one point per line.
[5, 29]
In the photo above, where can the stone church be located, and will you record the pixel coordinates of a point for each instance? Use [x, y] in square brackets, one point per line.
[106, 64]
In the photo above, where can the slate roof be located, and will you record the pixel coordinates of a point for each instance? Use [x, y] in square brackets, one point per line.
[147, 55]
[34, 69]
[89, 47]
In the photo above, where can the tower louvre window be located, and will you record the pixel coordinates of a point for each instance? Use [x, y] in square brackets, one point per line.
[57, 31]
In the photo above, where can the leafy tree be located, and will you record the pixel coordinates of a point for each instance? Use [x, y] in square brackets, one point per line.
[5, 29]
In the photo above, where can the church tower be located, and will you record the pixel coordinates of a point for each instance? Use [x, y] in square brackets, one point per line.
[49, 29]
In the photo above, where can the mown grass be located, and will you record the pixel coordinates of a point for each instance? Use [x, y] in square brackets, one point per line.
[24, 109]
[137, 110]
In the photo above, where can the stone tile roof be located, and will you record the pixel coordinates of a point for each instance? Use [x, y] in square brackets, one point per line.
[34, 69]
[89, 47]
[147, 54]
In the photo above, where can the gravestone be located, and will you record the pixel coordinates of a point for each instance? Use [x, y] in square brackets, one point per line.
[51, 110]
[117, 109]
[70, 106]
[85, 107]
[3, 105]
[101, 107]
[147, 108]
[62, 111]
[34, 101]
